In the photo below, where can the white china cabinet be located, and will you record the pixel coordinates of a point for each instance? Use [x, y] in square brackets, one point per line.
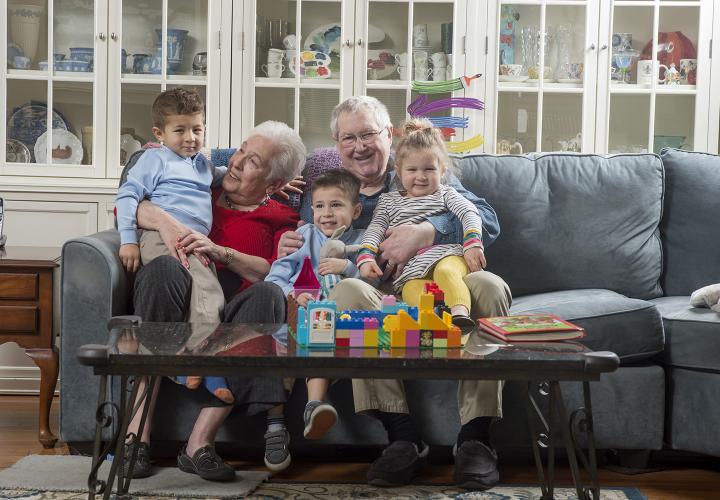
[606, 76]
[306, 56]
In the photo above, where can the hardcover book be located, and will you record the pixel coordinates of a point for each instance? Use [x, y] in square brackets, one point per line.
[530, 328]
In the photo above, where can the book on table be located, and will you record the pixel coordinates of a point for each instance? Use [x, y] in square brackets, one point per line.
[541, 327]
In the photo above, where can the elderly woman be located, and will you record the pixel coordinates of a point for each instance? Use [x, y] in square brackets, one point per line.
[362, 130]
[242, 243]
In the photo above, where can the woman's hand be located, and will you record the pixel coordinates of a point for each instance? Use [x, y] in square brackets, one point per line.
[201, 246]
[130, 257]
[370, 270]
[289, 242]
[330, 265]
[475, 259]
[294, 186]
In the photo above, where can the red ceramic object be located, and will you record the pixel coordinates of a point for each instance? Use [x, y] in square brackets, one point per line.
[672, 46]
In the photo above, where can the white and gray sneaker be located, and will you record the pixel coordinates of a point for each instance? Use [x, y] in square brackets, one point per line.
[319, 417]
[277, 451]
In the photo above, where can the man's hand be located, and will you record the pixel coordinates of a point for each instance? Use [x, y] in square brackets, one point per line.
[289, 242]
[130, 257]
[370, 270]
[402, 243]
[294, 186]
[330, 265]
[475, 259]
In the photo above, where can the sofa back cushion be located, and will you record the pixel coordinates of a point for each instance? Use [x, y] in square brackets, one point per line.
[573, 221]
[690, 225]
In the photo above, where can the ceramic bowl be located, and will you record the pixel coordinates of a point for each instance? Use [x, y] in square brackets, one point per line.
[82, 54]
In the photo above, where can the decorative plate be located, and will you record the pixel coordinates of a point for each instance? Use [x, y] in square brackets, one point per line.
[29, 121]
[382, 62]
[326, 38]
[17, 152]
[66, 148]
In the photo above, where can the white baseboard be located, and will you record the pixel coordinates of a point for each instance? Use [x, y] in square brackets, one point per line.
[21, 380]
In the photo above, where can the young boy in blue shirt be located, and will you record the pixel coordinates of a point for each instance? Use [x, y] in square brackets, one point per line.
[335, 203]
[177, 178]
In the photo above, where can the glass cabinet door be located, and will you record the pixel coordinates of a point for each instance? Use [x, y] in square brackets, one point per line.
[657, 76]
[54, 95]
[544, 66]
[296, 66]
[141, 66]
[399, 42]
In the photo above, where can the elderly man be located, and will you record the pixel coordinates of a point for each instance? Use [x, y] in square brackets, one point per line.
[362, 130]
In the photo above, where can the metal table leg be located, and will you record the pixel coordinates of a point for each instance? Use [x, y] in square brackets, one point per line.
[104, 418]
[579, 421]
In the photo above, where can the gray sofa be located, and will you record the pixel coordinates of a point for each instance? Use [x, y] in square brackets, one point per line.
[615, 244]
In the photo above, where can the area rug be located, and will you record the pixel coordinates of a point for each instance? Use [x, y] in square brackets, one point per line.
[65, 477]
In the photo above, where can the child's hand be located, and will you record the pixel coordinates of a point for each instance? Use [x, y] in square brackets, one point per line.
[370, 270]
[303, 299]
[130, 257]
[475, 259]
[331, 265]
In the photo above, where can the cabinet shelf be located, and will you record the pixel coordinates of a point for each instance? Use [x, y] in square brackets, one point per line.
[646, 89]
[291, 83]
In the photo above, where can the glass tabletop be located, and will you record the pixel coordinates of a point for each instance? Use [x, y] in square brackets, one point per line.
[171, 348]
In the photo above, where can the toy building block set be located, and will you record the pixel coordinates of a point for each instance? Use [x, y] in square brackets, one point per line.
[395, 325]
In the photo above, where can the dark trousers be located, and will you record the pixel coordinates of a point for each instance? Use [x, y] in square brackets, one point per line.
[162, 293]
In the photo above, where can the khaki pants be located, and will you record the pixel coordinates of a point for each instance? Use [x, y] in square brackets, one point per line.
[476, 398]
[206, 300]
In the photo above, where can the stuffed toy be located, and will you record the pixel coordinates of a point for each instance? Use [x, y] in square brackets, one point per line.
[707, 296]
[334, 248]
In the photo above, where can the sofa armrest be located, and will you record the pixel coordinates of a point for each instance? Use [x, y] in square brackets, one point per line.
[94, 287]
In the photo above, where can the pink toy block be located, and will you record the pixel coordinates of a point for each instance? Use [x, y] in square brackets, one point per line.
[371, 323]
[388, 300]
[357, 339]
[412, 338]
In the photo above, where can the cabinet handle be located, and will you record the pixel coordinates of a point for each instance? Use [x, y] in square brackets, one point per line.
[101, 36]
[604, 47]
[360, 42]
[348, 43]
[592, 46]
[114, 36]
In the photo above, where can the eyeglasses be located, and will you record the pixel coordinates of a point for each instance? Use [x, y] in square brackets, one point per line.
[366, 138]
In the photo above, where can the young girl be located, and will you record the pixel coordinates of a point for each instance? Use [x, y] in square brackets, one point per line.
[422, 161]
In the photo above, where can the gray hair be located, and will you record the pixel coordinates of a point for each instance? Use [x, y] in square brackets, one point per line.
[288, 159]
[356, 103]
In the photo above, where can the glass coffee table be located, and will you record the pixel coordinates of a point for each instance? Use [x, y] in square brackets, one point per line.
[151, 350]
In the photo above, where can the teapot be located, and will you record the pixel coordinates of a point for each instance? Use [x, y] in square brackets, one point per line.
[505, 147]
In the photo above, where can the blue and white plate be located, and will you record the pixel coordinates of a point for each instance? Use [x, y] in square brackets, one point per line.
[29, 121]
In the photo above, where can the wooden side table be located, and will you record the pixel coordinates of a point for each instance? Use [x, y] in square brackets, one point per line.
[26, 317]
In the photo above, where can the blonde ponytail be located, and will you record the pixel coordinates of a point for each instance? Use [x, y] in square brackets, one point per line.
[420, 134]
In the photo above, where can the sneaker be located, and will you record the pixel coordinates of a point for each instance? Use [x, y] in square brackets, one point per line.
[142, 467]
[475, 466]
[205, 463]
[397, 465]
[277, 451]
[319, 417]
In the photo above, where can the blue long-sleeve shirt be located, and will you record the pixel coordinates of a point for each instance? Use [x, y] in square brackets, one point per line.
[448, 228]
[285, 271]
[180, 186]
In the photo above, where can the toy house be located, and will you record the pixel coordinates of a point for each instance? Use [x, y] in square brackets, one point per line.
[315, 325]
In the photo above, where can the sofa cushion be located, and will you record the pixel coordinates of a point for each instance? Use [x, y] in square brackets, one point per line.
[689, 227]
[692, 333]
[573, 221]
[631, 328]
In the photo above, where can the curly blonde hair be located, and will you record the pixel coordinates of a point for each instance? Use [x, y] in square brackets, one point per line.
[420, 134]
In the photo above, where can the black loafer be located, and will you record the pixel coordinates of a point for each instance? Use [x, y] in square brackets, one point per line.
[206, 464]
[462, 321]
[142, 467]
[476, 466]
[397, 465]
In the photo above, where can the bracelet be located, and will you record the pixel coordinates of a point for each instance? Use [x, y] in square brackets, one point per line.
[228, 257]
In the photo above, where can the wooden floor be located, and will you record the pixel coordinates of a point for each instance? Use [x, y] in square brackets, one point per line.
[679, 481]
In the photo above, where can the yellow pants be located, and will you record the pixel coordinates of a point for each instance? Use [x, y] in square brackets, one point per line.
[448, 273]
